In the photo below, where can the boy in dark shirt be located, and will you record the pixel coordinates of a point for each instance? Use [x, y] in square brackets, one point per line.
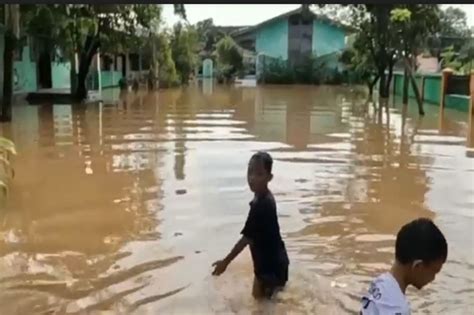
[261, 232]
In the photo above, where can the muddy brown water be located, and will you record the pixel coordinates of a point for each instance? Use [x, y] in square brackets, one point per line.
[121, 208]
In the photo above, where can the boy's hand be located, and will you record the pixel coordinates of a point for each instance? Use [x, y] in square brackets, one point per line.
[220, 267]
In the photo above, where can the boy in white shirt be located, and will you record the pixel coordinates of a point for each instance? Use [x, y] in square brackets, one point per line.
[420, 252]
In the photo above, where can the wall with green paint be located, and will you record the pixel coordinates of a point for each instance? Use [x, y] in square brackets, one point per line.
[272, 39]
[61, 75]
[459, 102]
[398, 81]
[110, 78]
[327, 38]
[25, 73]
[432, 91]
[433, 88]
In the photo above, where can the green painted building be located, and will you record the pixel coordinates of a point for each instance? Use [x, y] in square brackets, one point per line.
[294, 36]
[36, 68]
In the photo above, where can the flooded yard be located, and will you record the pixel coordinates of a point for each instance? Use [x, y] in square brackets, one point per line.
[121, 208]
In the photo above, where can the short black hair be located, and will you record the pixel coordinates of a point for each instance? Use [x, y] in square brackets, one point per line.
[422, 240]
[265, 158]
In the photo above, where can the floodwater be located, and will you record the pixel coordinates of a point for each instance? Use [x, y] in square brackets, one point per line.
[121, 208]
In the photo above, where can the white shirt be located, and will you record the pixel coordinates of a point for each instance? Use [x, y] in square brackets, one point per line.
[385, 298]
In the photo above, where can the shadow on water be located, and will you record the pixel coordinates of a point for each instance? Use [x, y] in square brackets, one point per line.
[123, 206]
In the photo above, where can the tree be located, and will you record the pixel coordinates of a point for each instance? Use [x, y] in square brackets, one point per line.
[382, 35]
[450, 60]
[184, 45]
[373, 26]
[167, 73]
[208, 35]
[11, 21]
[360, 64]
[453, 23]
[466, 55]
[413, 24]
[229, 57]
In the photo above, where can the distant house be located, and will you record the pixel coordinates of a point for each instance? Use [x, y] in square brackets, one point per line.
[36, 67]
[294, 36]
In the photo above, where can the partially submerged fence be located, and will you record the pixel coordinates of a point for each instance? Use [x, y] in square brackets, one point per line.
[445, 89]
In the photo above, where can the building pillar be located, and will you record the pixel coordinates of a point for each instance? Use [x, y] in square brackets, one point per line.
[470, 135]
[446, 74]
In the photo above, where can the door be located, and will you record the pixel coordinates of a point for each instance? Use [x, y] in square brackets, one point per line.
[300, 39]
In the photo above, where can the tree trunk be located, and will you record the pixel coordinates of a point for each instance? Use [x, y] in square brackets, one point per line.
[6, 111]
[90, 49]
[405, 87]
[12, 24]
[73, 74]
[371, 85]
[383, 79]
[390, 77]
[414, 85]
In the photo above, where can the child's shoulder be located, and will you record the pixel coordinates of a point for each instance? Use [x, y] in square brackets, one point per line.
[266, 200]
[385, 296]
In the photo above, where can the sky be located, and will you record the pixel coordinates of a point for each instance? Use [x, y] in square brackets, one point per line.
[250, 14]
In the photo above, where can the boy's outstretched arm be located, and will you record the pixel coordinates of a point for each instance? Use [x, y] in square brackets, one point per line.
[221, 265]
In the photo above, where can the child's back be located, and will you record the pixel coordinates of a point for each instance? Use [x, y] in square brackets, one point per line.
[420, 252]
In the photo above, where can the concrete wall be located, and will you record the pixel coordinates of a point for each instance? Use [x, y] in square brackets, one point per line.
[272, 39]
[327, 38]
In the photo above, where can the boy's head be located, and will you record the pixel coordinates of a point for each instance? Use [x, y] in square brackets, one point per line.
[422, 249]
[259, 171]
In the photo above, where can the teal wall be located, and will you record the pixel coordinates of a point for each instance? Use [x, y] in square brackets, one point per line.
[433, 89]
[25, 73]
[327, 38]
[272, 39]
[459, 102]
[207, 68]
[61, 75]
[110, 78]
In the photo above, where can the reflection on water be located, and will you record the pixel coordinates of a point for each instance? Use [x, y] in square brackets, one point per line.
[121, 207]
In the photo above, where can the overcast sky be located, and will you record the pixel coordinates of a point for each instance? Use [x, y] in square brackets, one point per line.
[250, 14]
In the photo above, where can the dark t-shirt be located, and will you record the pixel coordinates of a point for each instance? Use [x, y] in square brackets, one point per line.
[268, 249]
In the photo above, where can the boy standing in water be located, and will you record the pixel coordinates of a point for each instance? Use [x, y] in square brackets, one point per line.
[261, 232]
[420, 252]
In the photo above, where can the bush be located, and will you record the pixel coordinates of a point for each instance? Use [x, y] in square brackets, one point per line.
[311, 71]
[168, 76]
[229, 59]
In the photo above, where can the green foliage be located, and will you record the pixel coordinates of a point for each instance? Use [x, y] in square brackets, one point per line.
[168, 75]
[209, 36]
[184, 45]
[453, 23]
[360, 68]
[229, 58]
[7, 149]
[449, 59]
[462, 62]
[313, 70]
[414, 24]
